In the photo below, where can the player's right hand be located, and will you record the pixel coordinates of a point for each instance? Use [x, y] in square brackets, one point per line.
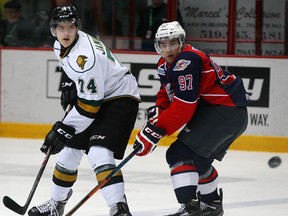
[148, 137]
[57, 137]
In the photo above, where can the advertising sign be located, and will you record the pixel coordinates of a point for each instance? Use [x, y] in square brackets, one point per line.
[30, 88]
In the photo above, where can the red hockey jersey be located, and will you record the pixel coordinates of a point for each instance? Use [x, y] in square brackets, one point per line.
[193, 76]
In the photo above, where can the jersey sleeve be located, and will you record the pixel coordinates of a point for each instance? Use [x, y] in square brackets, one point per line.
[74, 117]
[178, 114]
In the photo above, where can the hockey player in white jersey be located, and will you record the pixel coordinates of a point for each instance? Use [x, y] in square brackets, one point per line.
[100, 121]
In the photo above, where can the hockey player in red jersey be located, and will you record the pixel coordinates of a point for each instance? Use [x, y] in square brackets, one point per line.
[208, 104]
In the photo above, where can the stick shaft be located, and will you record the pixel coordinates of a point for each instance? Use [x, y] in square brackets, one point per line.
[38, 177]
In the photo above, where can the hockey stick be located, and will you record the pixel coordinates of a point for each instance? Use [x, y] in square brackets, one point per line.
[104, 181]
[11, 204]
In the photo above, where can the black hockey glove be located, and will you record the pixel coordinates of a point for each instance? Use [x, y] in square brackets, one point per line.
[57, 137]
[153, 113]
[148, 137]
[69, 94]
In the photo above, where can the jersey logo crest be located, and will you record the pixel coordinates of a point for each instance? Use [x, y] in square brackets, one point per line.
[81, 61]
[181, 65]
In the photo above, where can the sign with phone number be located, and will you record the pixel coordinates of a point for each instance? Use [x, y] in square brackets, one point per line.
[208, 20]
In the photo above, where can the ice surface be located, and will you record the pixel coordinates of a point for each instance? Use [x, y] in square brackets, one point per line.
[250, 187]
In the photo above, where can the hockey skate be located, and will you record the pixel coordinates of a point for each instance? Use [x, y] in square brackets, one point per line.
[50, 207]
[214, 208]
[192, 208]
[120, 209]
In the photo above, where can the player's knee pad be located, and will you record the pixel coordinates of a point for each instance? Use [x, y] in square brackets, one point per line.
[178, 152]
[99, 156]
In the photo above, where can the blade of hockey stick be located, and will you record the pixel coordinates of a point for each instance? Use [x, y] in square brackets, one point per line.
[12, 205]
[104, 181]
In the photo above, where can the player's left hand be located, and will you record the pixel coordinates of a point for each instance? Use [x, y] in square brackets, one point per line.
[148, 137]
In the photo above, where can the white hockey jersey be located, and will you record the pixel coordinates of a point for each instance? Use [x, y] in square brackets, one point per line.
[98, 76]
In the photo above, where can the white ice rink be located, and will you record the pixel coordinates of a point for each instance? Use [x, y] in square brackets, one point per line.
[250, 187]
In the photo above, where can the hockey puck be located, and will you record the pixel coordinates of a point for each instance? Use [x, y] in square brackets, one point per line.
[274, 162]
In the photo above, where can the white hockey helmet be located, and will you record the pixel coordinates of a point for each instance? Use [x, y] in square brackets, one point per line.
[169, 30]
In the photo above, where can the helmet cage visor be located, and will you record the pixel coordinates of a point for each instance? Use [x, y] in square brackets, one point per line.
[158, 40]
